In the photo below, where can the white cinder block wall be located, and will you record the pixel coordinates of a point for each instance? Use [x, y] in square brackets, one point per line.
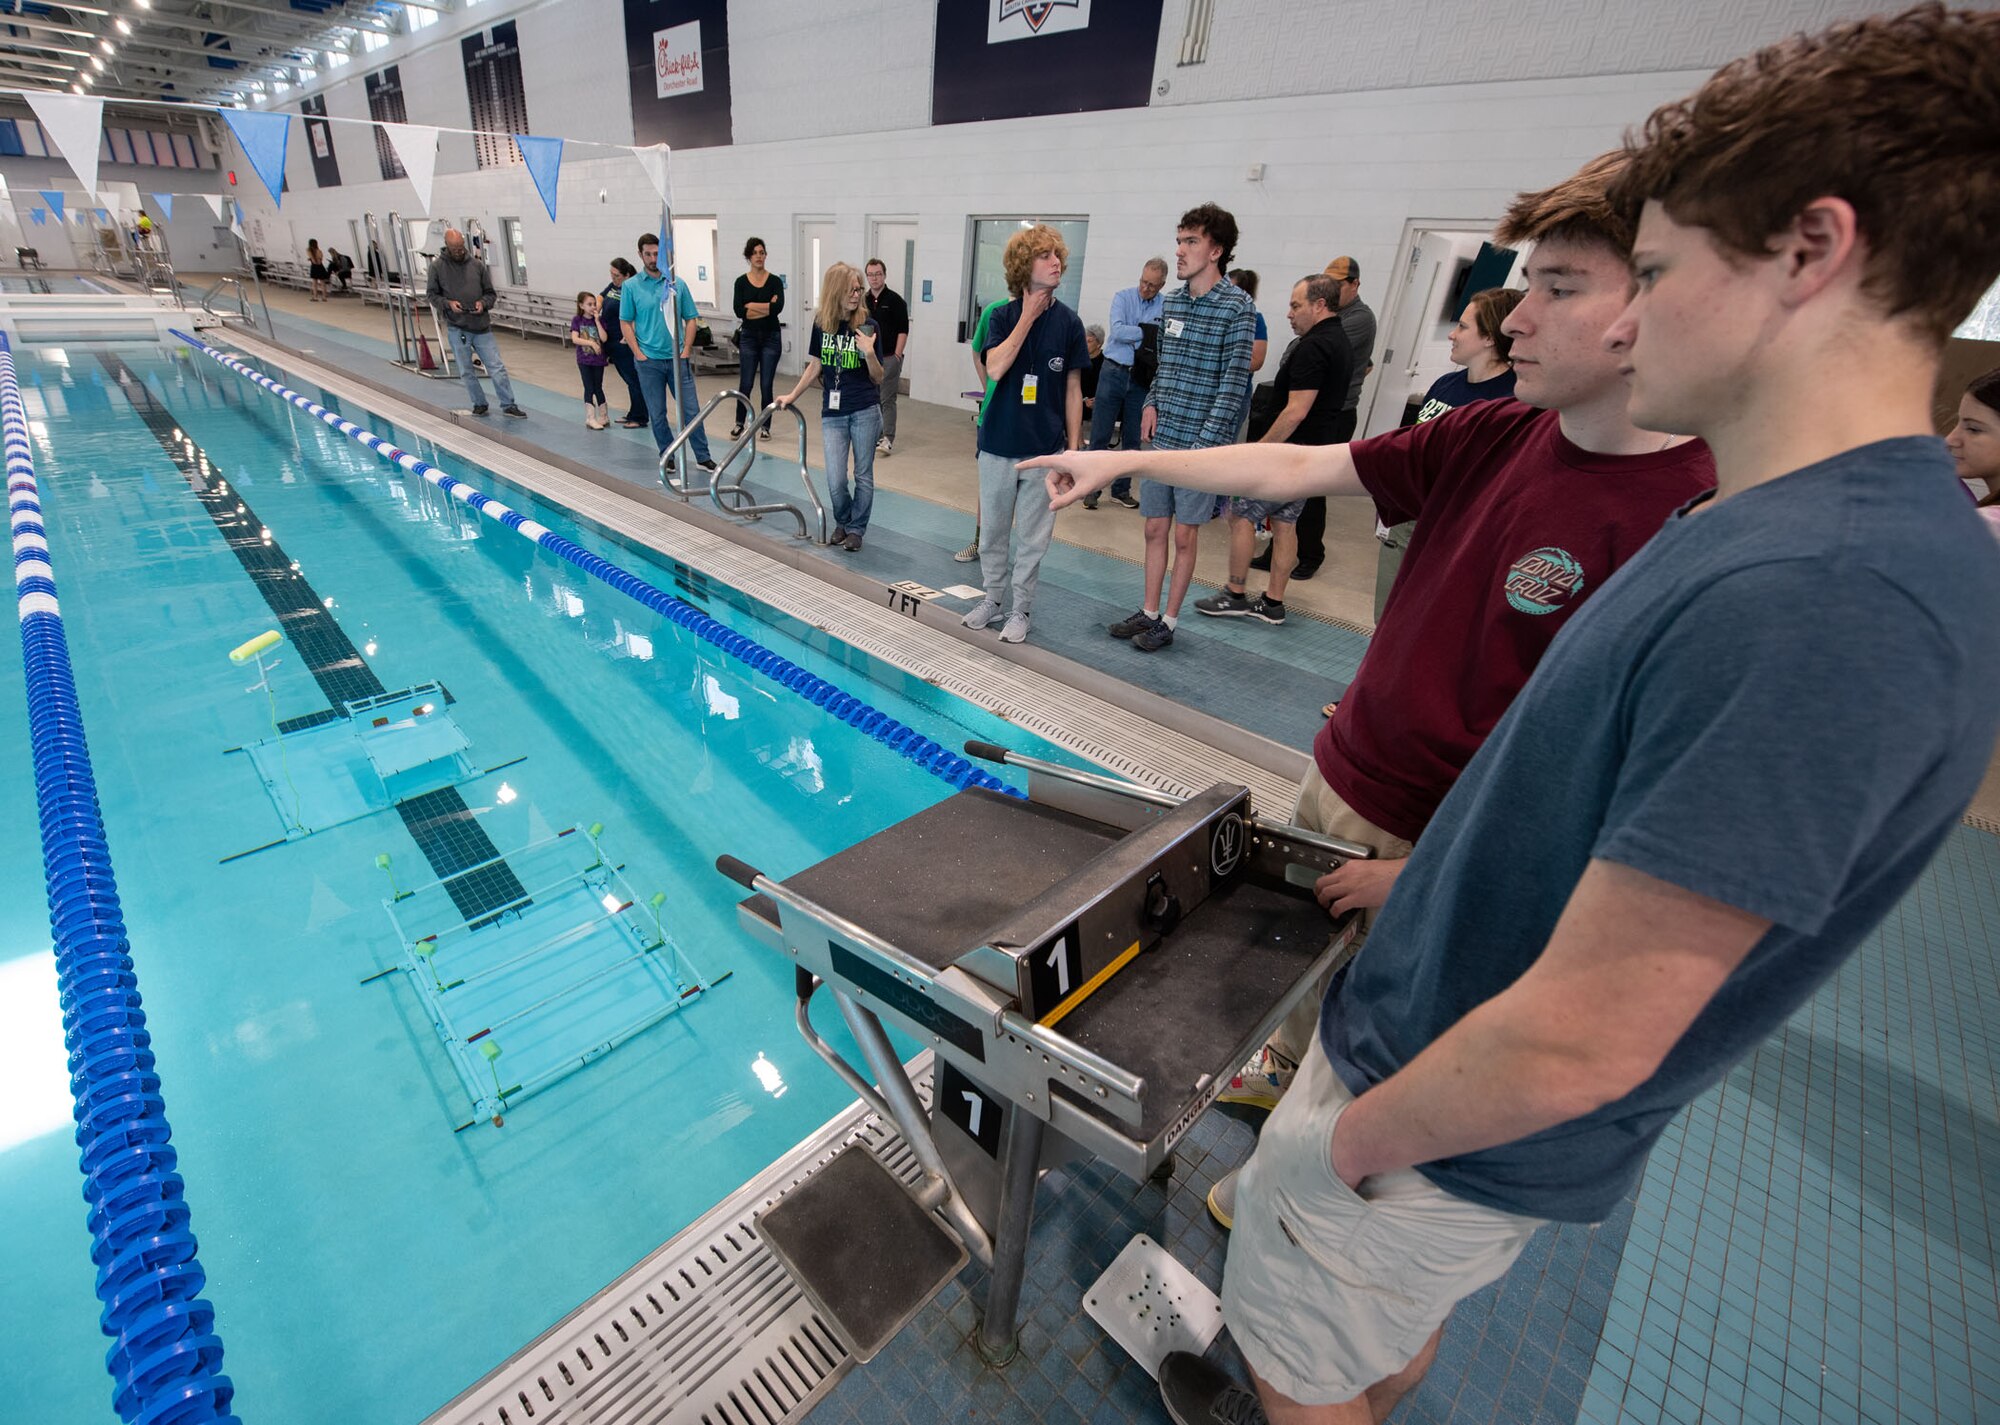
[1364, 116]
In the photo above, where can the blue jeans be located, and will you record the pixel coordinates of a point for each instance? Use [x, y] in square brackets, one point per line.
[463, 345]
[1119, 403]
[657, 381]
[857, 431]
[757, 360]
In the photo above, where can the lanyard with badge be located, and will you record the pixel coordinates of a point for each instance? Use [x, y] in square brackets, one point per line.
[1031, 380]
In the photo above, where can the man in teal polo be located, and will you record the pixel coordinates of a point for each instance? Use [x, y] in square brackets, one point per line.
[642, 304]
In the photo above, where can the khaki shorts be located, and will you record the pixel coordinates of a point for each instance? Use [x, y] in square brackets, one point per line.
[1321, 809]
[1327, 1292]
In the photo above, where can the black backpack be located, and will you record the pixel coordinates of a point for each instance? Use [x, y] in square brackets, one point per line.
[1146, 360]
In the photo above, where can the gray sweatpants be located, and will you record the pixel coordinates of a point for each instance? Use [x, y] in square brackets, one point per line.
[1016, 503]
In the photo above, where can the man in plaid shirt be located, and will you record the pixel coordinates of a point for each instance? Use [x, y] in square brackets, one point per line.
[1206, 332]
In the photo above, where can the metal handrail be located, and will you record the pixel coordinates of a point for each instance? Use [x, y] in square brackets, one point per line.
[683, 486]
[717, 490]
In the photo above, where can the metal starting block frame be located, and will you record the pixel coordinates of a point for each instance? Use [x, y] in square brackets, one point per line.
[1088, 965]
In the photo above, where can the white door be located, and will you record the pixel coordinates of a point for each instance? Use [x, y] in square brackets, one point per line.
[894, 240]
[1412, 347]
[812, 254]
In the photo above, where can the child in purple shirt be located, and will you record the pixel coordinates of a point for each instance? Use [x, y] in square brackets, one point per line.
[586, 334]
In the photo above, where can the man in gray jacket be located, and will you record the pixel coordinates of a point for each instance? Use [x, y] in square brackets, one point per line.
[461, 291]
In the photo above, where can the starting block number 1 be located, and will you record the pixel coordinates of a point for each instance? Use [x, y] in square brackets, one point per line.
[970, 1107]
[1055, 970]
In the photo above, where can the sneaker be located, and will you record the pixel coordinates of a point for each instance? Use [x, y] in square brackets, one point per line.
[1197, 1393]
[1127, 501]
[1305, 571]
[1016, 630]
[1090, 502]
[1227, 604]
[885, 446]
[968, 554]
[480, 409]
[1154, 637]
[1135, 625]
[736, 431]
[708, 465]
[1222, 1200]
[852, 544]
[515, 411]
[1263, 561]
[1261, 1082]
[984, 614]
[1265, 608]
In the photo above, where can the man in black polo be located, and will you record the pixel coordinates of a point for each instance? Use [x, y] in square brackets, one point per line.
[892, 335]
[1357, 319]
[1311, 390]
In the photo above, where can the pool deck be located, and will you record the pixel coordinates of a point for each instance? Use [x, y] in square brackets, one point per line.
[1813, 1240]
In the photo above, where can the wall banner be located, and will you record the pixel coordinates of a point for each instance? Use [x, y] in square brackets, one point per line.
[677, 52]
[498, 96]
[385, 106]
[1012, 59]
[319, 142]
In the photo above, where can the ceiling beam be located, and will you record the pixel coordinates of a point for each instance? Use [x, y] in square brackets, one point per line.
[42, 27]
[203, 27]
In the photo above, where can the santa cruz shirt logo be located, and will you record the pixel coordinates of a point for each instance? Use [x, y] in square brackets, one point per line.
[1544, 581]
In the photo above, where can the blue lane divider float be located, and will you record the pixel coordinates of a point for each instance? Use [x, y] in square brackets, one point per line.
[165, 1360]
[939, 761]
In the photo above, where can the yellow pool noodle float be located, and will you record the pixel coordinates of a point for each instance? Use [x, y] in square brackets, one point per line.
[244, 652]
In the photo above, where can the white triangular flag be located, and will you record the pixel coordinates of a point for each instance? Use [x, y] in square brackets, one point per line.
[76, 123]
[416, 147]
[654, 159]
[214, 201]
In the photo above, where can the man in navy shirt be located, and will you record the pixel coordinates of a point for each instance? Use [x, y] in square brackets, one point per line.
[1731, 766]
[1035, 357]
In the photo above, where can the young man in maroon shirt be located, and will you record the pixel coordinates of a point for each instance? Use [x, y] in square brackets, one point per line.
[1525, 508]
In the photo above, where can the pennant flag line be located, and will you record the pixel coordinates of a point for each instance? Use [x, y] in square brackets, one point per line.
[654, 160]
[214, 201]
[103, 215]
[76, 123]
[55, 202]
[416, 148]
[40, 215]
[263, 138]
[165, 203]
[544, 160]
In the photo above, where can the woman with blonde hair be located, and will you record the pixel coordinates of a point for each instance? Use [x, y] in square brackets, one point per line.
[840, 354]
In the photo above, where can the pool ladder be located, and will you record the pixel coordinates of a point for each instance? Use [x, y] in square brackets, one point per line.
[724, 488]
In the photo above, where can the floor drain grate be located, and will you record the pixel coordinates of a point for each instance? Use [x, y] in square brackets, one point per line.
[708, 1330]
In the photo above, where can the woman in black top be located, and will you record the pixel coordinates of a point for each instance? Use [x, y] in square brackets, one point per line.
[760, 296]
[615, 348]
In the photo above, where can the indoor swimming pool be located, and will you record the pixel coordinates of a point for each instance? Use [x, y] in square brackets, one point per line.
[373, 1242]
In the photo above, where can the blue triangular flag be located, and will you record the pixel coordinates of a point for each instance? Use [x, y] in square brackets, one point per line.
[55, 202]
[40, 215]
[166, 205]
[544, 160]
[103, 216]
[263, 138]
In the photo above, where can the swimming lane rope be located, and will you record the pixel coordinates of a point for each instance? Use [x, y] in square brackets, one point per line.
[165, 1358]
[939, 761]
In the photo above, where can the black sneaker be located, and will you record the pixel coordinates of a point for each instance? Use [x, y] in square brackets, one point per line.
[1090, 502]
[1133, 626]
[736, 432]
[480, 409]
[708, 465]
[1263, 561]
[1153, 637]
[1127, 501]
[1305, 571]
[1197, 1393]
[1263, 607]
[515, 411]
[1227, 604]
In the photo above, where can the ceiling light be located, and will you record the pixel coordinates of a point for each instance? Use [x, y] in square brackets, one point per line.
[124, 25]
[105, 45]
[76, 89]
[97, 63]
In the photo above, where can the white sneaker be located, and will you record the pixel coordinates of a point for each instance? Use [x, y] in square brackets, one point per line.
[985, 614]
[1016, 630]
[967, 554]
[885, 446]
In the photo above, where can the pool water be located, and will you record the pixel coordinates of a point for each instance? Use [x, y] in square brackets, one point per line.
[365, 1260]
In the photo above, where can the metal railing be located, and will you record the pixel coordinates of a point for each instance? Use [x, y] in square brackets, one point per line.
[725, 482]
[242, 303]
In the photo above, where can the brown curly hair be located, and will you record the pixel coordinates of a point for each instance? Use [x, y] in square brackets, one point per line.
[1899, 115]
[1024, 247]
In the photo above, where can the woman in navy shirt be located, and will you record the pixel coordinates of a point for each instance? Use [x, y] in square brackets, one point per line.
[840, 353]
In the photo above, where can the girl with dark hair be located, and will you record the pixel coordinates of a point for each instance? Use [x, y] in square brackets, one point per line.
[316, 271]
[760, 297]
[1974, 441]
[586, 334]
[615, 349]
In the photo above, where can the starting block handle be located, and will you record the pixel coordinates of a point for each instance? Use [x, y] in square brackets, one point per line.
[741, 872]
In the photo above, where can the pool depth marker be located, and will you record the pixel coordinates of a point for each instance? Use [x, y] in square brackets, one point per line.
[906, 741]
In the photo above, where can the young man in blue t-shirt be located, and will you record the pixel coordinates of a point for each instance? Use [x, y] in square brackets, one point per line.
[1733, 764]
[1035, 356]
